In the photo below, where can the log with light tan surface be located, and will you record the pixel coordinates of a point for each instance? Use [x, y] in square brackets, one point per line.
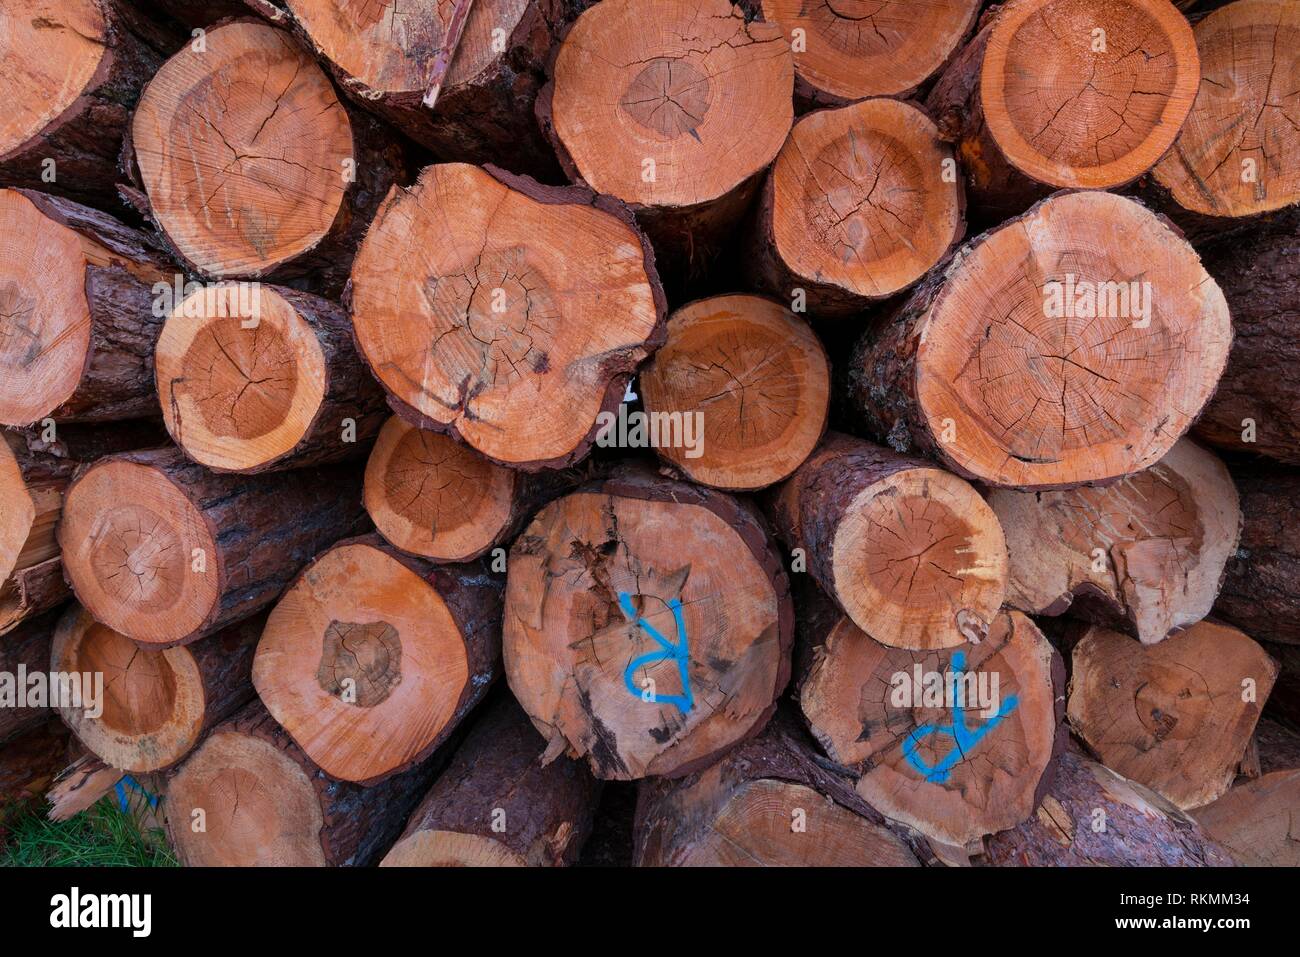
[1146, 554]
[648, 625]
[261, 378]
[1074, 344]
[467, 304]
[249, 164]
[165, 551]
[861, 202]
[1176, 716]
[371, 658]
[1057, 94]
[745, 384]
[910, 552]
[497, 805]
[676, 107]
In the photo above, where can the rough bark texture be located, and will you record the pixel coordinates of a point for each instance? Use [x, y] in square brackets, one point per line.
[27, 647]
[29, 764]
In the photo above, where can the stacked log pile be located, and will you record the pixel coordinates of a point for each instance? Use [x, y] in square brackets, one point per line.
[871, 436]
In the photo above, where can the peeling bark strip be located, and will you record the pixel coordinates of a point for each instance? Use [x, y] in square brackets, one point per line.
[943, 766]
[750, 382]
[157, 705]
[497, 805]
[911, 553]
[263, 803]
[1065, 93]
[1073, 344]
[73, 71]
[1176, 716]
[1238, 155]
[165, 552]
[860, 203]
[1256, 407]
[648, 625]
[77, 329]
[34, 474]
[854, 49]
[1145, 555]
[1091, 816]
[678, 121]
[372, 658]
[486, 334]
[254, 378]
[251, 165]
[768, 803]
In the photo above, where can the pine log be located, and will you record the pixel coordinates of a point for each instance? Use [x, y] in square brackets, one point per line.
[250, 165]
[861, 202]
[910, 552]
[957, 743]
[383, 56]
[79, 786]
[1176, 716]
[36, 466]
[1261, 588]
[249, 796]
[1091, 816]
[648, 625]
[29, 764]
[1065, 93]
[678, 121]
[77, 317]
[768, 803]
[853, 49]
[1145, 555]
[165, 552]
[486, 333]
[267, 378]
[1237, 157]
[497, 805]
[73, 71]
[750, 383]
[371, 658]
[1257, 405]
[26, 647]
[1074, 344]
[157, 705]
[1258, 820]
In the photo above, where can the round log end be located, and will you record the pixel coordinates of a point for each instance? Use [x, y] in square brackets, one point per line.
[19, 511]
[450, 849]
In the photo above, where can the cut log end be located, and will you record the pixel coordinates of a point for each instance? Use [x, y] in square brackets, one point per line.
[18, 546]
[429, 495]
[754, 377]
[451, 849]
[855, 49]
[1221, 166]
[244, 150]
[1133, 73]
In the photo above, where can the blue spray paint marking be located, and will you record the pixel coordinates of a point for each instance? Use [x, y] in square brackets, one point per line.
[677, 651]
[964, 738]
[126, 779]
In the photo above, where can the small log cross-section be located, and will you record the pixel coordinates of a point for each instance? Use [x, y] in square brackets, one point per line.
[259, 377]
[853, 49]
[1091, 816]
[249, 796]
[912, 553]
[372, 658]
[860, 203]
[164, 551]
[648, 625]
[1066, 93]
[1074, 344]
[77, 318]
[1236, 157]
[483, 328]
[674, 106]
[745, 383]
[1145, 555]
[1261, 590]
[1176, 716]
[156, 704]
[768, 803]
[497, 805]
